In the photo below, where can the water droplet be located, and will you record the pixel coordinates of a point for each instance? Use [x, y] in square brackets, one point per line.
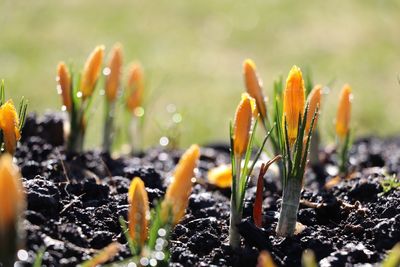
[139, 112]
[22, 255]
[132, 264]
[164, 141]
[158, 247]
[106, 71]
[193, 179]
[59, 91]
[144, 261]
[161, 232]
[159, 255]
[177, 118]
[79, 94]
[63, 108]
[153, 262]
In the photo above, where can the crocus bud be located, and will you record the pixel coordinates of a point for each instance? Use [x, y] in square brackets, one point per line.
[177, 196]
[242, 124]
[293, 102]
[344, 112]
[64, 84]
[265, 260]
[12, 198]
[254, 86]
[113, 78]
[314, 103]
[12, 204]
[9, 124]
[135, 87]
[91, 71]
[138, 211]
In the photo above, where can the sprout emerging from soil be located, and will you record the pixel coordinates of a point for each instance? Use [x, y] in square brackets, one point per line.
[308, 259]
[12, 204]
[343, 127]
[242, 137]
[113, 76]
[77, 96]
[177, 196]
[294, 143]
[265, 260]
[138, 212]
[11, 122]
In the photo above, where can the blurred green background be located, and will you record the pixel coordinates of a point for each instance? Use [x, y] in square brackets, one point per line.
[192, 52]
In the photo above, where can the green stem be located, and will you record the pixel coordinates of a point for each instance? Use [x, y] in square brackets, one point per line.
[236, 213]
[108, 126]
[290, 205]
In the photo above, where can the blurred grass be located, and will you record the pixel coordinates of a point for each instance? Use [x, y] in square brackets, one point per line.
[193, 50]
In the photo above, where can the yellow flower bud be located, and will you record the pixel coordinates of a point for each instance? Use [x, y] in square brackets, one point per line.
[254, 86]
[91, 71]
[242, 124]
[64, 84]
[135, 87]
[113, 79]
[9, 124]
[314, 102]
[265, 260]
[221, 176]
[12, 197]
[138, 211]
[177, 196]
[293, 102]
[344, 112]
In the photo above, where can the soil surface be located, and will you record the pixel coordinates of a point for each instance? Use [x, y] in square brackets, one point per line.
[74, 202]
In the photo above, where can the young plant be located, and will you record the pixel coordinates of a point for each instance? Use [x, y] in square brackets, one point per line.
[343, 128]
[11, 122]
[257, 208]
[143, 240]
[77, 96]
[242, 137]
[294, 139]
[12, 204]
[134, 104]
[112, 86]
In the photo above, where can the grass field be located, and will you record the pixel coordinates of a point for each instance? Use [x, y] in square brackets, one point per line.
[193, 50]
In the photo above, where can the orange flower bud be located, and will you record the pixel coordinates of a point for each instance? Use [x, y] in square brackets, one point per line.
[177, 196]
[91, 71]
[113, 79]
[12, 198]
[254, 86]
[314, 102]
[138, 211]
[64, 84]
[135, 87]
[242, 124]
[343, 112]
[9, 124]
[293, 102]
[221, 176]
[265, 260]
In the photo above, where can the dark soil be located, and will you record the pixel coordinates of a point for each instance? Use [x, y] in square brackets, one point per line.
[74, 202]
